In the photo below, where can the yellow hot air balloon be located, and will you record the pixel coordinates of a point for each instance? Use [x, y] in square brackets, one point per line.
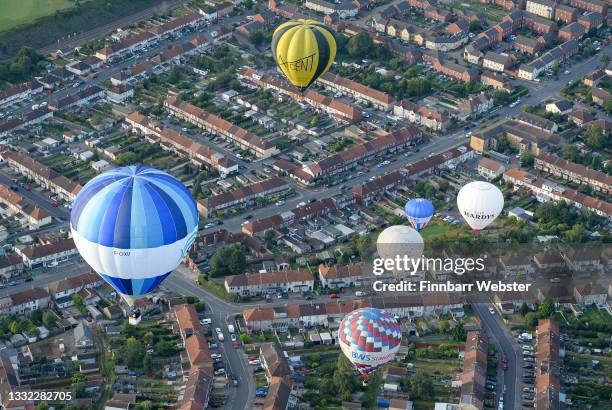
[303, 50]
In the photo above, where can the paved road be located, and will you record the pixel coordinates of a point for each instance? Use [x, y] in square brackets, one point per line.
[498, 332]
[222, 313]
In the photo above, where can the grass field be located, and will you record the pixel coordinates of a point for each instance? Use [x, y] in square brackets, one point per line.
[16, 12]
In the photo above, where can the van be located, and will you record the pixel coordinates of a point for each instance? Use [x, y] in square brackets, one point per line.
[359, 293]
[231, 329]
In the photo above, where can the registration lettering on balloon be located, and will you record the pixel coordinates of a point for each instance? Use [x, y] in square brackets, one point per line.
[301, 64]
[121, 252]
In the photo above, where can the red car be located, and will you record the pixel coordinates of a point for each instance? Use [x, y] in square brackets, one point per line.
[334, 296]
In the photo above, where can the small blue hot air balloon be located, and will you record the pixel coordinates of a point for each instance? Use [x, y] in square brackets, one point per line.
[133, 226]
[419, 211]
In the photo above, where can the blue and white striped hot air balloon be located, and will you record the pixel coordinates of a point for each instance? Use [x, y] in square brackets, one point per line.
[133, 226]
[419, 212]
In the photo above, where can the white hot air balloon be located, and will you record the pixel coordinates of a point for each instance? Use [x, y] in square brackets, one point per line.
[480, 203]
[400, 242]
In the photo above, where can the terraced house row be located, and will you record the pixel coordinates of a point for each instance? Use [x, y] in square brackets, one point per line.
[41, 174]
[596, 180]
[311, 173]
[329, 314]
[548, 366]
[242, 197]
[183, 145]
[474, 372]
[261, 147]
[259, 283]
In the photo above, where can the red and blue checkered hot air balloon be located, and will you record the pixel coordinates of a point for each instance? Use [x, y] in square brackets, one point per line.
[369, 337]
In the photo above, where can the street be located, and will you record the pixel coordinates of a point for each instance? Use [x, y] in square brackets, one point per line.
[503, 339]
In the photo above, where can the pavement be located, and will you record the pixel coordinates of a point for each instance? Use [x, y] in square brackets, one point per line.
[500, 335]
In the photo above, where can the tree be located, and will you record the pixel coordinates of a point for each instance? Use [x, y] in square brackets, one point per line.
[257, 38]
[502, 145]
[576, 234]
[596, 138]
[531, 318]
[527, 158]
[524, 309]
[48, 319]
[77, 378]
[360, 44]
[475, 26]
[501, 97]
[422, 385]
[405, 384]
[147, 363]
[458, 333]
[165, 348]
[269, 238]
[78, 302]
[605, 59]
[199, 306]
[237, 261]
[547, 308]
[344, 379]
[569, 152]
[42, 406]
[132, 353]
[608, 106]
[443, 327]
[14, 327]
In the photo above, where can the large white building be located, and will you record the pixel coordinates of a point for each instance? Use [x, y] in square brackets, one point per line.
[542, 8]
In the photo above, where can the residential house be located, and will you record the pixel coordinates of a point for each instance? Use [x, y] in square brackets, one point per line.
[15, 205]
[490, 169]
[243, 197]
[48, 254]
[260, 283]
[559, 107]
[474, 372]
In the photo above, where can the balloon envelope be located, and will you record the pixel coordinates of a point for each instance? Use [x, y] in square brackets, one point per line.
[303, 50]
[369, 337]
[133, 226]
[400, 240]
[419, 212]
[480, 203]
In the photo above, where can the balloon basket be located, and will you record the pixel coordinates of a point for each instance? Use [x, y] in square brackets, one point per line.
[364, 383]
[135, 318]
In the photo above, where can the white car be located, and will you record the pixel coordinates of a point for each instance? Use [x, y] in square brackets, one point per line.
[206, 321]
[491, 311]
[527, 347]
[233, 337]
[216, 356]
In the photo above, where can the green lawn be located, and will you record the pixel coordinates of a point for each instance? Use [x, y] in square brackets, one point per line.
[16, 12]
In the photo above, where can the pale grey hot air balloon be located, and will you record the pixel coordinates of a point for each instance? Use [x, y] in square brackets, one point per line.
[402, 241]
